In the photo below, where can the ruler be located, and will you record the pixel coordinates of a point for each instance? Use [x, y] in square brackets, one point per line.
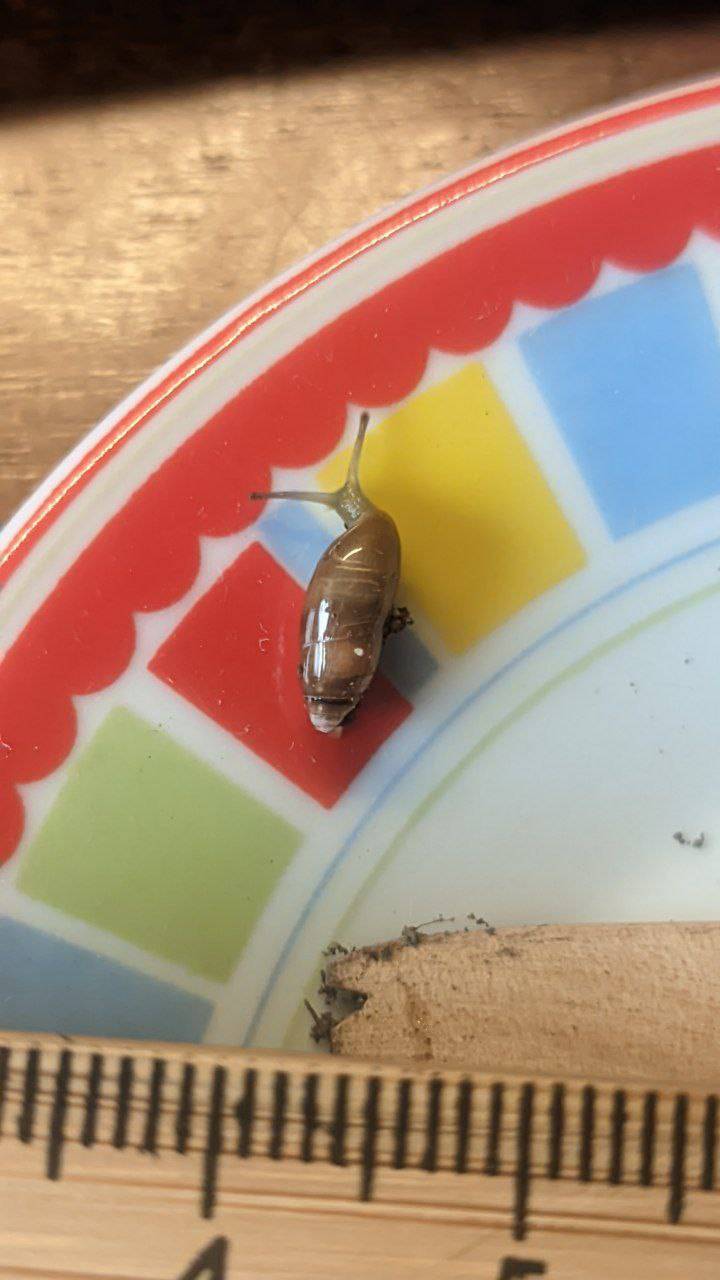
[137, 1161]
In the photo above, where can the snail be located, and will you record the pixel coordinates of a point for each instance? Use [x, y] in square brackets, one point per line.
[350, 601]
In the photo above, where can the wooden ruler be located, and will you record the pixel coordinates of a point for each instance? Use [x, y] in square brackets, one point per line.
[170, 1162]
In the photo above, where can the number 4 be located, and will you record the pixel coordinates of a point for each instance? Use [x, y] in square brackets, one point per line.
[210, 1264]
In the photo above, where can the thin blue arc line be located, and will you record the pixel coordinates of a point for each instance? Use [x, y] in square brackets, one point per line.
[412, 760]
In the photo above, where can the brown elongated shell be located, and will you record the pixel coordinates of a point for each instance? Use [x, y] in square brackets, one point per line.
[348, 601]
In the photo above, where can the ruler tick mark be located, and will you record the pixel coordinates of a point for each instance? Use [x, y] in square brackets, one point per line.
[183, 1119]
[339, 1121]
[492, 1162]
[432, 1126]
[245, 1112]
[523, 1170]
[92, 1098]
[213, 1143]
[277, 1126]
[26, 1119]
[310, 1090]
[56, 1134]
[618, 1121]
[152, 1120]
[557, 1131]
[402, 1121]
[122, 1105]
[4, 1072]
[463, 1112]
[677, 1163]
[587, 1133]
[372, 1101]
[647, 1140]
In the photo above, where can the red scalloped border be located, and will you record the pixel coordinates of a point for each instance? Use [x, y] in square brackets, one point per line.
[484, 176]
[592, 130]
[82, 637]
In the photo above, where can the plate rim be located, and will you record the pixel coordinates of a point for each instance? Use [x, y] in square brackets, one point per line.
[37, 513]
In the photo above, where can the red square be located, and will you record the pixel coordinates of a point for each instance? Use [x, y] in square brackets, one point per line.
[235, 657]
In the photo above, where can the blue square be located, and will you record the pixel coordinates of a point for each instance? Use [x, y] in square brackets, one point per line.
[294, 537]
[407, 663]
[47, 984]
[632, 378]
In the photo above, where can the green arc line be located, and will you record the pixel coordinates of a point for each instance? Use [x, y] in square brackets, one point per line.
[575, 668]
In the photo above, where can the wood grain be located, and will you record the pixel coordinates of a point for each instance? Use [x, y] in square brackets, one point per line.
[135, 211]
[625, 1001]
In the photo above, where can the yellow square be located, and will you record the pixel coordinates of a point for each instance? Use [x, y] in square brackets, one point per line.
[482, 533]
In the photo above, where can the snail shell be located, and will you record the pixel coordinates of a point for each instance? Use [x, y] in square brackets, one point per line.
[347, 605]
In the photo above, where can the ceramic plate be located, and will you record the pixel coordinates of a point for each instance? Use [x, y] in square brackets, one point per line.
[537, 341]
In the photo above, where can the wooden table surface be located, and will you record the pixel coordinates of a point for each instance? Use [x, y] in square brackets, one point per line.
[148, 181]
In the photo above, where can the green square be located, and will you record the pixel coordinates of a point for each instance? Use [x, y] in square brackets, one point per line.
[152, 845]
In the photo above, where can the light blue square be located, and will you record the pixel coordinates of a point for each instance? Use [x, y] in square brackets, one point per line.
[632, 378]
[295, 537]
[407, 663]
[47, 984]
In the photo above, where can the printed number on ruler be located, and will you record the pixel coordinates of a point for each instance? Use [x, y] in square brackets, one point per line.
[211, 1264]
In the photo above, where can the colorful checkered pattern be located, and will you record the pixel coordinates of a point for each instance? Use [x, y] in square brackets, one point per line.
[148, 845]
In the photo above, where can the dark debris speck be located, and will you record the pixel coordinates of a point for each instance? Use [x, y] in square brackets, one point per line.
[698, 842]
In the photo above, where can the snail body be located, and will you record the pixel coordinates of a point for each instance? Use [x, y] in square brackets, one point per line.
[349, 604]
